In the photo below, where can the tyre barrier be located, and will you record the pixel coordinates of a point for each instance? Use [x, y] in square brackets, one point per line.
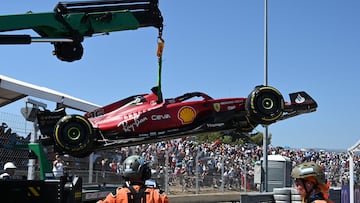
[282, 195]
[295, 197]
[287, 195]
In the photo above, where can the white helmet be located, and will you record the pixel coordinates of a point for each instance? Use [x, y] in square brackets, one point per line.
[9, 165]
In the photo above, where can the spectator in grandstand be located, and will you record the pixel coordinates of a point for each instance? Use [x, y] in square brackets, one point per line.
[9, 171]
[113, 166]
[242, 157]
[311, 183]
[135, 172]
[58, 166]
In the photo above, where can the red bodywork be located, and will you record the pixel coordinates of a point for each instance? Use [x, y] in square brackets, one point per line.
[143, 118]
[143, 113]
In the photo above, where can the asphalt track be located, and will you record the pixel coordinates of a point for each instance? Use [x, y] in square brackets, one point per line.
[244, 197]
[206, 197]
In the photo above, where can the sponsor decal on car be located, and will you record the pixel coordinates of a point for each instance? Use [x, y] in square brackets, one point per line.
[232, 102]
[216, 107]
[299, 99]
[186, 114]
[96, 113]
[130, 127]
[215, 125]
[160, 117]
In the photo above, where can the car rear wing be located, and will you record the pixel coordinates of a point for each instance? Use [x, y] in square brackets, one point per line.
[300, 103]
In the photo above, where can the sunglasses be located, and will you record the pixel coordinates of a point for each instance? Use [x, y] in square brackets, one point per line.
[298, 182]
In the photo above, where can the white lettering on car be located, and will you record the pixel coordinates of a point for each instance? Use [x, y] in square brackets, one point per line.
[160, 117]
[231, 102]
[131, 127]
[215, 125]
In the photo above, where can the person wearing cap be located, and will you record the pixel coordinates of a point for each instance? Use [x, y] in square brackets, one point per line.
[58, 166]
[310, 182]
[9, 171]
[135, 172]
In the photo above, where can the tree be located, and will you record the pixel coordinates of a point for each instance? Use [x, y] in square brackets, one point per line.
[258, 138]
[209, 137]
[233, 137]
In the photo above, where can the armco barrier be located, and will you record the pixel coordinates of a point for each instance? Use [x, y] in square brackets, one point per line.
[267, 197]
[223, 197]
[278, 196]
[345, 194]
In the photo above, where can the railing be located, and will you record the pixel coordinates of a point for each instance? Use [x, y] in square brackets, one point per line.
[176, 184]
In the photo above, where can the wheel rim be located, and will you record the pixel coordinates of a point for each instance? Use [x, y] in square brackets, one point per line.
[74, 133]
[268, 103]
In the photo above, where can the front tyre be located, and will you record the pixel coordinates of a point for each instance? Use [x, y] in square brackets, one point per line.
[265, 105]
[74, 135]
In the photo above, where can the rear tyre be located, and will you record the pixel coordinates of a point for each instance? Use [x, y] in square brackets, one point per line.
[265, 105]
[74, 135]
[249, 126]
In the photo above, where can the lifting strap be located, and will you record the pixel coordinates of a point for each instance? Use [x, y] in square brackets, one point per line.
[160, 49]
[137, 197]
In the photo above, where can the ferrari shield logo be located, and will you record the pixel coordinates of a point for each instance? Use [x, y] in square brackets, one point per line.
[217, 107]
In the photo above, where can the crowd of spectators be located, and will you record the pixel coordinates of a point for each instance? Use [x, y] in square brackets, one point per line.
[218, 163]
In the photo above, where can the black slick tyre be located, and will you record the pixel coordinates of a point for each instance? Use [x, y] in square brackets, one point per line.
[74, 135]
[265, 105]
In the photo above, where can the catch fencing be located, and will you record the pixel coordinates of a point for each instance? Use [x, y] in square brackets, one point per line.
[16, 130]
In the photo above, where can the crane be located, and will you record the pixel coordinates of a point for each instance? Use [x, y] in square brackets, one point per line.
[70, 22]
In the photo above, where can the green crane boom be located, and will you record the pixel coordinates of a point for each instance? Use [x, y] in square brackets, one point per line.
[70, 22]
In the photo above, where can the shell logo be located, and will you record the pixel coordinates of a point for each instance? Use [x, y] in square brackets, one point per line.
[186, 114]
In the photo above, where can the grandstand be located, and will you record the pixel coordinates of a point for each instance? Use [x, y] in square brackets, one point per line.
[225, 167]
[14, 130]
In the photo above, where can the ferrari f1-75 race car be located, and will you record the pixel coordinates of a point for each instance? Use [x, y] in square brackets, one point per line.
[143, 118]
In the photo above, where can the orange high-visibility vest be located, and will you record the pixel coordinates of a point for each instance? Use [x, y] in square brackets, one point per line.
[122, 196]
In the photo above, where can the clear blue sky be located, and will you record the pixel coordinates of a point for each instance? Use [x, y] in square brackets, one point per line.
[217, 47]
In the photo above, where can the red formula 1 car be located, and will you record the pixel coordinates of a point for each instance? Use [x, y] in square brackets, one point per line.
[144, 119]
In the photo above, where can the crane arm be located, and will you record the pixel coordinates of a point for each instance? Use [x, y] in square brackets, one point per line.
[70, 22]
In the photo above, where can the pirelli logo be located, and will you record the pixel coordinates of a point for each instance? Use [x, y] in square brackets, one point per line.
[33, 192]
